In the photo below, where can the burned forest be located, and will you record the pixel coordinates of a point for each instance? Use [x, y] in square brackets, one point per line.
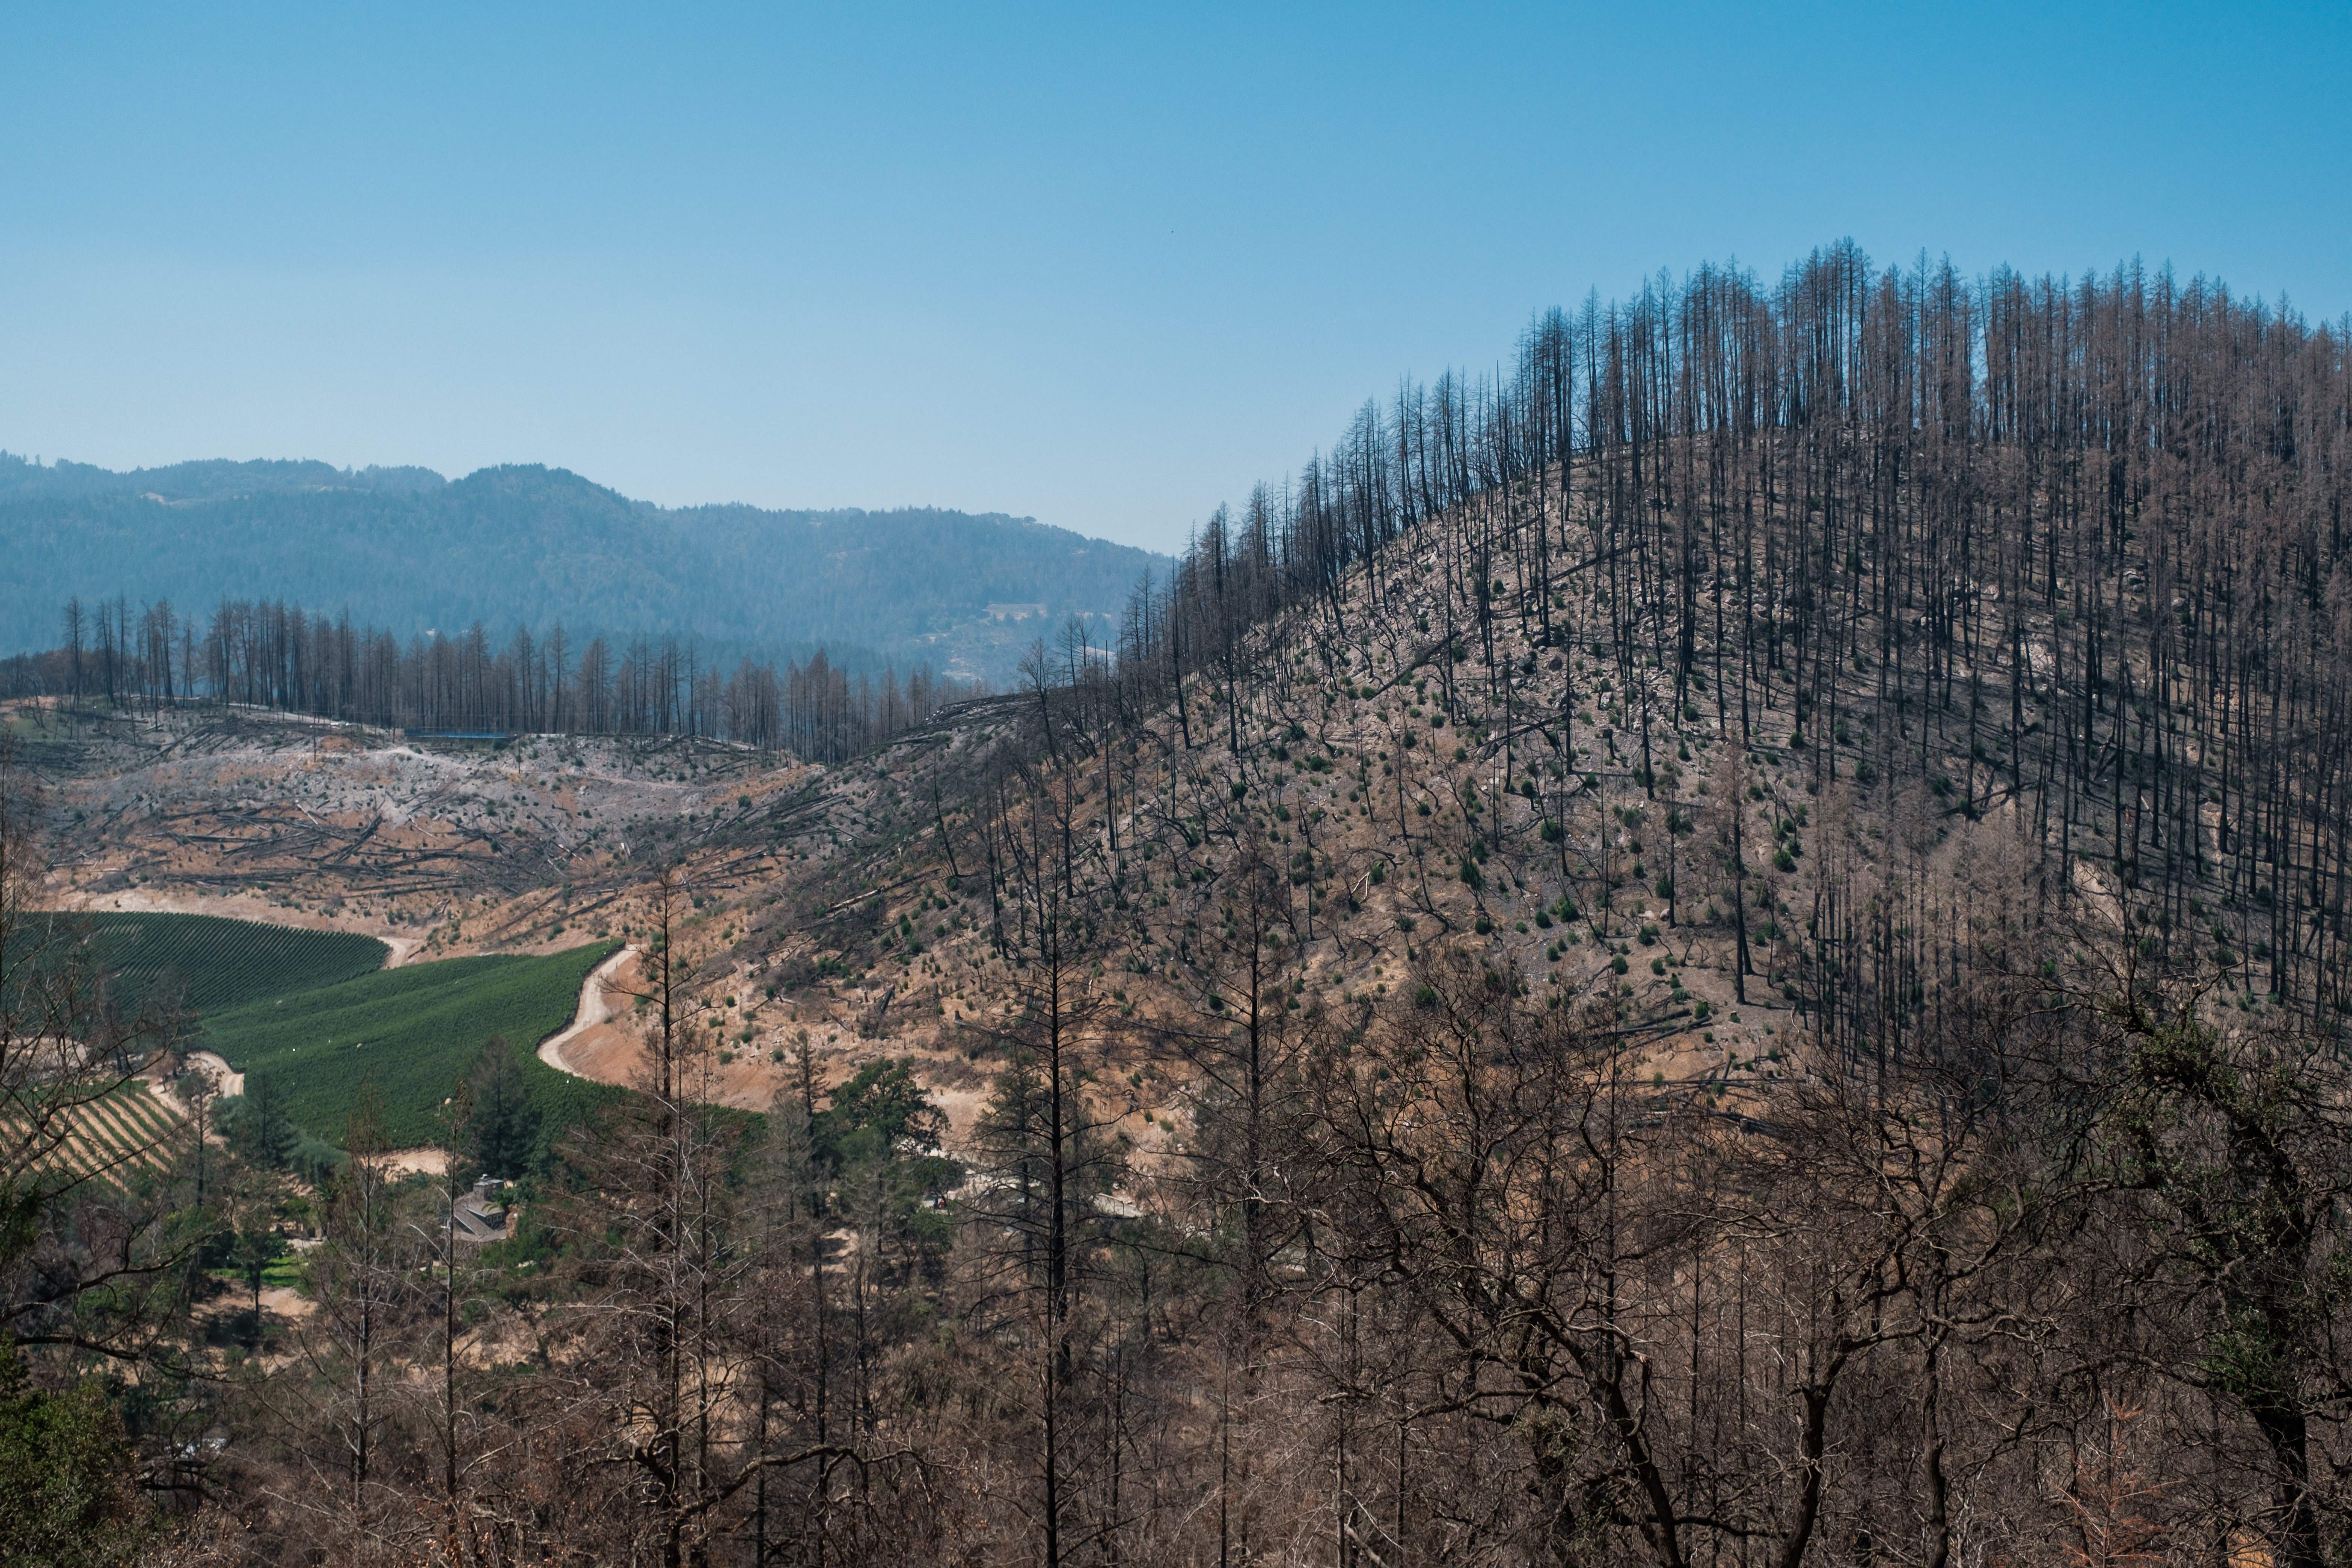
[1723, 945]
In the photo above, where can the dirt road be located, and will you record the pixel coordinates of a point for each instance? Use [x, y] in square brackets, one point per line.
[594, 1010]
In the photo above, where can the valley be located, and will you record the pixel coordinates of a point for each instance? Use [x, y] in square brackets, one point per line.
[1562, 786]
[1617, 930]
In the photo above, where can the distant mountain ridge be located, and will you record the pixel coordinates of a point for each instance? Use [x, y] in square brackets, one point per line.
[525, 543]
[214, 478]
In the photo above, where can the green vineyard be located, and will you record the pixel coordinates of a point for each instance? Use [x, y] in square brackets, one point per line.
[224, 963]
[112, 1140]
[413, 1032]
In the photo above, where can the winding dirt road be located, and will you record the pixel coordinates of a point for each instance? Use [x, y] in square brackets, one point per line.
[592, 1011]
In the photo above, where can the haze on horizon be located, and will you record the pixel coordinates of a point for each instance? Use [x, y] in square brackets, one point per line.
[1103, 269]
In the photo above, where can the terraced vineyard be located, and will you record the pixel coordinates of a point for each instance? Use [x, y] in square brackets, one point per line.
[413, 1032]
[226, 963]
[113, 1139]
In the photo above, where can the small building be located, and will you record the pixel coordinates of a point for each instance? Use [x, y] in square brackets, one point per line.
[480, 1215]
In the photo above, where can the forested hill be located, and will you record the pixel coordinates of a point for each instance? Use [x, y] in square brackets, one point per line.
[536, 545]
[1732, 939]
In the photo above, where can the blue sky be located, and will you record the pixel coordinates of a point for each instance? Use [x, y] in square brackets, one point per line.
[1103, 265]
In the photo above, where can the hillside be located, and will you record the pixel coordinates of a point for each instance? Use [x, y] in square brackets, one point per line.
[1694, 725]
[1772, 882]
[537, 546]
[1729, 735]
[452, 848]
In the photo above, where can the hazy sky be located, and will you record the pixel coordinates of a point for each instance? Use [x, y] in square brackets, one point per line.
[1104, 266]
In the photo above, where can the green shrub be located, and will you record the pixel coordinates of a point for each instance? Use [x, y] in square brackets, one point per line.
[68, 1477]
